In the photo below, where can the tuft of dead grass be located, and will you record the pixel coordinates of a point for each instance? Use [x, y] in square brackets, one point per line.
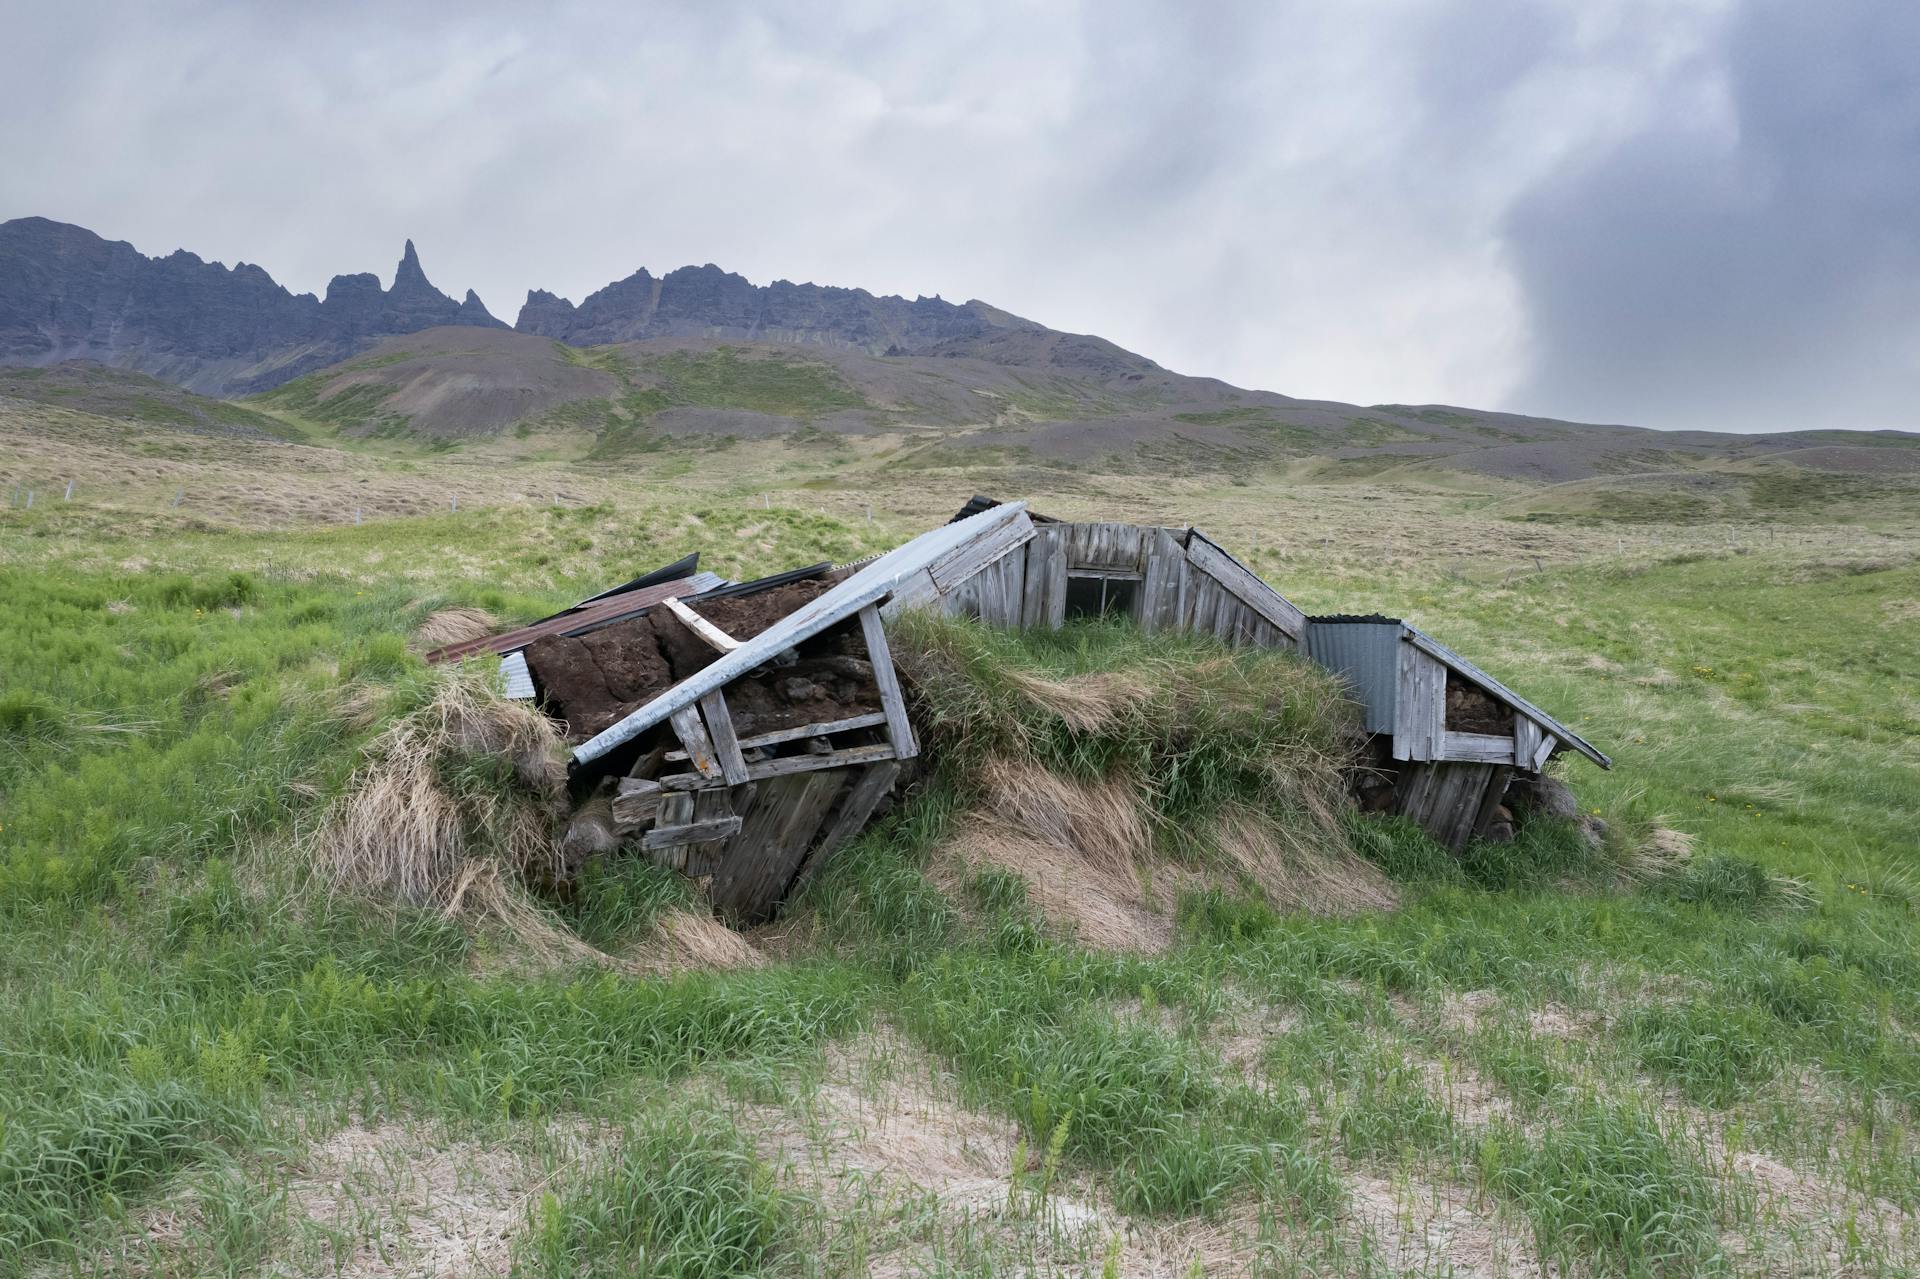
[1079, 847]
[1298, 868]
[457, 806]
[463, 787]
[454, 626]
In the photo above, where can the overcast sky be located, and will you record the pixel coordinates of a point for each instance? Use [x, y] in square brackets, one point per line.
[1677, 213]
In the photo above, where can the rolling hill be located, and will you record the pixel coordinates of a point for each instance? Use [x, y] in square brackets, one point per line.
[700, 358]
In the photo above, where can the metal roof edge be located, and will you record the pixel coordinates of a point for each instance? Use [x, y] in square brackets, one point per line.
[1434, 648]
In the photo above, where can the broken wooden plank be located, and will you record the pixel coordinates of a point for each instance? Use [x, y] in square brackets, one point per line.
[636, 803]
[779, 735]
[726, 746]
[675, 810]
[1244, 583]
[783, 767]
[691, 833]
[887, 680]
[1490, 802]
[856, 808]
[759, 863]
[963, 561]
[694, 740]
[711, 635]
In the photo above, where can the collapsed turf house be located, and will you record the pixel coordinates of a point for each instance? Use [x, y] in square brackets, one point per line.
[745, 731]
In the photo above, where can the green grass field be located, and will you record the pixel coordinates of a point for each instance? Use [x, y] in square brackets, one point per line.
[1542, 1061]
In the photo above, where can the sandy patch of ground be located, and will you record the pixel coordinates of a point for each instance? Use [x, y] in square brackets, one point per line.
[1423, 1227]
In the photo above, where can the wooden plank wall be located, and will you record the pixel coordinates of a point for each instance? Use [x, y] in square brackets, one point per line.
[1419, 706]
[1043, 594]
[1162, 600]
[1246, 586]
[1106, 548]
[752, 870]
[1448, 799]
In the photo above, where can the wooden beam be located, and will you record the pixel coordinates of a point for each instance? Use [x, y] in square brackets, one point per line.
[1478, 748]
[783, 767]
[726, 747]
[779, 735]
[693, 738]
[714, 637]
[887, 680]
[691, 833]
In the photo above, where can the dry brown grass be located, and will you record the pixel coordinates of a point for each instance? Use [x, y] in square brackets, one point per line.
[1299, 867]
[432, 810]
[1079, 846]
[453, 626]
[1084, 703]
[457, 808]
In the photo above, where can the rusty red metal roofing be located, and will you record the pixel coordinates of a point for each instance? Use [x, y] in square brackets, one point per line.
[618, 607]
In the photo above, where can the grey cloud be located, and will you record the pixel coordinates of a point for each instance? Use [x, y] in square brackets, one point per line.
[1683, 212]
[1758, 271]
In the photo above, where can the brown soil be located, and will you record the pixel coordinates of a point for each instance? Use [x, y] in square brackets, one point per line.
[1471, 709]
[745, 616]
[592, 681]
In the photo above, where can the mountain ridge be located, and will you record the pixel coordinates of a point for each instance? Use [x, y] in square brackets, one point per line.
[67, 293]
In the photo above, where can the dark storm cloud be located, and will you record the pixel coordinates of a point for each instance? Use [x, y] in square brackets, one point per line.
[1751, 266]
[1680, 211]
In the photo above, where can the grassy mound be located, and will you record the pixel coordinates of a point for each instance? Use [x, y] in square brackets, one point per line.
[1107, 769]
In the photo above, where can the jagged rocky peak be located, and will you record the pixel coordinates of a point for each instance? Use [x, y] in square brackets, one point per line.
[68, 294]
[708, 301]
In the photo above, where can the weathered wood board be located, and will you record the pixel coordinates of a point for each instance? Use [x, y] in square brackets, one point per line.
[964, 561]
[1113, 548]
[760, 861]
[1420, 706]
[847, 758]
[1477, 748]
[892, 703]
[1245, 585]
[694, 740]
[1160, 605]
[1044, 586]
[855, 810]
[726, 746]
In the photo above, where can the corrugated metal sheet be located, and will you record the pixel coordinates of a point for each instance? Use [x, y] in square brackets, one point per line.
[574, 621]
[1366, 654]
[513, 668]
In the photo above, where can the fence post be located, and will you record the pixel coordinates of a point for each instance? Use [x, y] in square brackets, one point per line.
[69, 496]
[29, 499]
[179, 494]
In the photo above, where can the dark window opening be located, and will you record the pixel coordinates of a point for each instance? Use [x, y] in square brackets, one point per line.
[1101, 596]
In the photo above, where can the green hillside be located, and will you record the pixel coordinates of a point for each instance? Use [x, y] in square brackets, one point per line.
[1695, 1050]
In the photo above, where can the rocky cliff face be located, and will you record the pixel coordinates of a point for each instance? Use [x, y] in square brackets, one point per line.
[705, 301]
[67, 294]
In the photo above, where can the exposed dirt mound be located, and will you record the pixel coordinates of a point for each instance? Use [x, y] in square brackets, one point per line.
[1471, 709]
